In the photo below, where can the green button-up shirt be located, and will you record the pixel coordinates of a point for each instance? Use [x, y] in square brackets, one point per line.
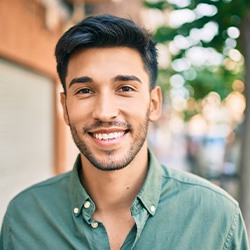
[173, 211]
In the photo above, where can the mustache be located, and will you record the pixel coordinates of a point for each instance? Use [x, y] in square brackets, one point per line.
[100, 124]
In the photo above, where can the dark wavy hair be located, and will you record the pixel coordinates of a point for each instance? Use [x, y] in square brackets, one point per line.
[105, 31]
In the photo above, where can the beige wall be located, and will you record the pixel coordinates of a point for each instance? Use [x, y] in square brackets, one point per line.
[26, 41]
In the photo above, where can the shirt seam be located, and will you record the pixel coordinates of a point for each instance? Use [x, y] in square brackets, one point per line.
[205, 187]
[10, 232]
[228, 241]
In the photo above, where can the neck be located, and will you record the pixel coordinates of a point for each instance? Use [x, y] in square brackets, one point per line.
[115, 189]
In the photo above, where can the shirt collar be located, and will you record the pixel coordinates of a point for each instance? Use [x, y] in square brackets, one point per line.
[78, 195]
[149, 194]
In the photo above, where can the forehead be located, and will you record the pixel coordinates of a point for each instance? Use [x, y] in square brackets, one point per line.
[112, 61]
[122, 54]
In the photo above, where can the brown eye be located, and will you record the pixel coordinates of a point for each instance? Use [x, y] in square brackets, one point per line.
[126, 89]
[84, 91]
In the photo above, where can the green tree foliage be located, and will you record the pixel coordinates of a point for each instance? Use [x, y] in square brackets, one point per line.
[226, 16]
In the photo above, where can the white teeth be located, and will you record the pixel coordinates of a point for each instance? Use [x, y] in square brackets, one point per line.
[108, 136]
[105, 136]
[111, 135]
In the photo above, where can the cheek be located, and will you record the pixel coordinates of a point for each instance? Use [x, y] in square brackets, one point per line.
[139, 102]
[136, 110]
[78, 112]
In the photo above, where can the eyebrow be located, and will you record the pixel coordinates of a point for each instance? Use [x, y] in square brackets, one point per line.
[126, 78]
[82, 79]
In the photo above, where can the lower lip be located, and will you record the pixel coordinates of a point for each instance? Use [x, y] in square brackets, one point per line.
[109, 143]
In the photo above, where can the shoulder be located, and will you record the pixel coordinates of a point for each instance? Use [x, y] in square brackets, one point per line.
[36, 208]
[192, 209]
[46, 190]
[191, 196]
[203, 205]
[196, 189]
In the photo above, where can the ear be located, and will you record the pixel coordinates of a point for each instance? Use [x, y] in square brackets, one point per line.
[155, 104]
[64, 107]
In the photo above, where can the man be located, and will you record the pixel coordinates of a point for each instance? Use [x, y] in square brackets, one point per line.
[117, 196]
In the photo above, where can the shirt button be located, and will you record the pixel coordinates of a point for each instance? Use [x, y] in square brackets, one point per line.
[152, 209]
[76, 210]
[94, 224]
[87, 204]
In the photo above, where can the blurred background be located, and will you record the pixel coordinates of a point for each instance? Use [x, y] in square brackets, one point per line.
[204, 59]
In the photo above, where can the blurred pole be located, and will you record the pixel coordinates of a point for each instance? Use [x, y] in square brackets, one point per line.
[78, 11]
[77, 15]
[245, 160]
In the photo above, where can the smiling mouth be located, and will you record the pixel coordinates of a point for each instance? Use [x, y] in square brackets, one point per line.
[108, 136]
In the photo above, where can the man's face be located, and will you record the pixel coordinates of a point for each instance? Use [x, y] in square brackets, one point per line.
[108, 105]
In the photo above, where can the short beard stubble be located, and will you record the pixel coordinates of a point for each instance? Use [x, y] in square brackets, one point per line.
[111, 164]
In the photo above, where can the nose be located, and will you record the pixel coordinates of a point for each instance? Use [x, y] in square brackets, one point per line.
[105, 108]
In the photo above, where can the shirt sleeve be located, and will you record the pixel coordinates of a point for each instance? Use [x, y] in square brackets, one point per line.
[5, 239]
[237, 238]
